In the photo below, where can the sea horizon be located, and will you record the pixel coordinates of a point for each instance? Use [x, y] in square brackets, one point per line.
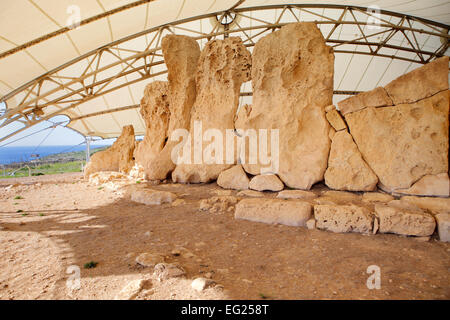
[14, 154]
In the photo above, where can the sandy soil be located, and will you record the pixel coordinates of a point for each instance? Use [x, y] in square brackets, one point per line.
[63, 221]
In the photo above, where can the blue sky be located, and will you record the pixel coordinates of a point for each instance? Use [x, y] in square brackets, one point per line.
[58, 136]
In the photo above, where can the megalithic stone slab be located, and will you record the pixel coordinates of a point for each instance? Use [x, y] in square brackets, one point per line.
[171, 106]
[403, 143]
[118, 157]
[223, 66]
[292, 79]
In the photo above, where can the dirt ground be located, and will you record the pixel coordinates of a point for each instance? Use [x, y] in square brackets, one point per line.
[50, 223]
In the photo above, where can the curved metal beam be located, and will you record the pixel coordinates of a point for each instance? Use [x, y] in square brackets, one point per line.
[95, 80]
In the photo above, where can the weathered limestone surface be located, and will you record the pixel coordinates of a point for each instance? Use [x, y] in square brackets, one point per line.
[420, 83]
[343, 218]
[434, 205]
[403, 143]
[335, 119]
[156, 114]
[429, 185]
[266, 182]
[347, 170]
[377, 97]
[166, 108]
[233, 178]
[443, 222]
[289, 212]
[223, 66]
[376, 197]
[292, 72]
[118, 157]
[152, 197]
[296, 194]
[400, 219]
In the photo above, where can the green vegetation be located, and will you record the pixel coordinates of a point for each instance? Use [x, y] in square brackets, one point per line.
[41, 214]
[90, 265]
[18, 197]
[263, 296]
[53, 164]
[24, 214]
[19, 211]
[54, 168]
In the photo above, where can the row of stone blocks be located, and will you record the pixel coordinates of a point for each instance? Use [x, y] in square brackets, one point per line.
[395, 137]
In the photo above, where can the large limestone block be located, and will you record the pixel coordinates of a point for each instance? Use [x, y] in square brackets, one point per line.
[443, 222]
[376, 197]
[377, 97]
[296, 194]
[403, 143]
[347, 170]
[434, 205]
[223, 66]
[420, 83]
[292, 79]
[156, 114]
[233, 178]
[169, 106]
[429, 185]
[400, 219]
[343, 218]
[118, 157]
[266, 182]
[288, 212]
[152, 197]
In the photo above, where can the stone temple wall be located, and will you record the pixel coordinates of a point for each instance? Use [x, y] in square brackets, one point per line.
[393, 138]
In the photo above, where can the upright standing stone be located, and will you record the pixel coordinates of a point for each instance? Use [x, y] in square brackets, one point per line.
[171, 105]
[292, 72]
[118, 157]
[223, 66]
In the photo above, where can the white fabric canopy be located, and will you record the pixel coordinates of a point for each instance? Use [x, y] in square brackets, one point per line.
[30, 46]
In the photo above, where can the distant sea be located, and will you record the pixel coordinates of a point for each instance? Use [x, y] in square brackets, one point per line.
[22, 154]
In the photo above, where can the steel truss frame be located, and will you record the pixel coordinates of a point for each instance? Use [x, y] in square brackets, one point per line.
[131, 66]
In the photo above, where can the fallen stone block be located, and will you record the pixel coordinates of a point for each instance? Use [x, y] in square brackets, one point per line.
[276, 211]
[233, 178]
[402, 218]
[266, 182]
[344, 218]
[152, 197]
